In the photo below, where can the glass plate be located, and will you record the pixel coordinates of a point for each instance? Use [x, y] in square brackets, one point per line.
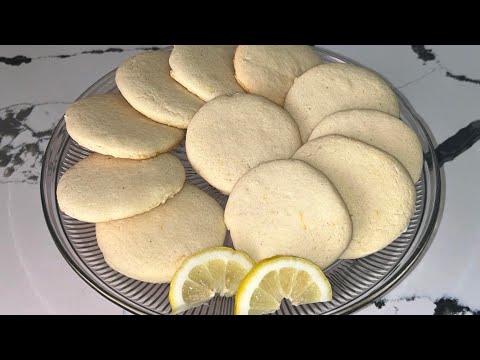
[356, 283]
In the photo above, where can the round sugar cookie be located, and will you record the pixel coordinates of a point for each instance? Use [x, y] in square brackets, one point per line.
[102, 188]
[269, 70]
[376, 188]
[329, 88]
[150, 247]
[378, 129]
[287, 207]
[145, 82]
[108, 125]
[232, 134]
[205, 70]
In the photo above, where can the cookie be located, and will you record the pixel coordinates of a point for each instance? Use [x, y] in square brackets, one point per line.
[205, 70]
[329, 88]
[377, 189]
[108, 125]
[378, 129]
[287, 207]
[145, 82]
[102, 188]
[232, 134]
[270, 70]
[150, 247]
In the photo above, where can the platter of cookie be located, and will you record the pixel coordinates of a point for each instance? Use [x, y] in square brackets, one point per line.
[241, 180]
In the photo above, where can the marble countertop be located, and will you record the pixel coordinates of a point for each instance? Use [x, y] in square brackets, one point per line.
[37, 83]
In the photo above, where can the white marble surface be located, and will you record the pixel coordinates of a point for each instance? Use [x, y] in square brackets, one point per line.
[38, 82]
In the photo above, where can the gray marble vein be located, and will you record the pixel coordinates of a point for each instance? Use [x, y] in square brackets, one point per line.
[21, 60]
[25, 130]
[442, 306]
[423, 53]
[463, 78]
[428, 55]
[420, 78]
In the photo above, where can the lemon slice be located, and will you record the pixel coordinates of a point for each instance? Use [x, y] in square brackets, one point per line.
[217, 270]
[277, 278]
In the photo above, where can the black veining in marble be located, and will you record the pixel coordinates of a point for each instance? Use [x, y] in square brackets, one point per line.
[443, 306]
[462, 78]
[450, 306]
[20, 59]
[20, 158]
[457, 144]
[427, 55]
[10, 126]
[382, 302]
[423, 53]
[466, 137]
[102, 51]
[16, 60]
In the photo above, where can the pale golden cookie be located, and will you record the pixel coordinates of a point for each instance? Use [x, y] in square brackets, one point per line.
[376, 188]
[150, 247]
[205, 70]
[103, 188]
[287, 207]
[329, 88]
[378, 129]
[108, 125]
[269, 70]
[145, 82]
[232, 134]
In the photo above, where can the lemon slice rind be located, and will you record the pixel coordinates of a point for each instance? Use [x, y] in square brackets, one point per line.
[213, 284]
[252, 280]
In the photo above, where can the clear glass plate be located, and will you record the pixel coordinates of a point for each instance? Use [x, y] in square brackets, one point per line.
[356, 283]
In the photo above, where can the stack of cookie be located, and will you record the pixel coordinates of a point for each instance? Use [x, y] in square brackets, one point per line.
[313, 156]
